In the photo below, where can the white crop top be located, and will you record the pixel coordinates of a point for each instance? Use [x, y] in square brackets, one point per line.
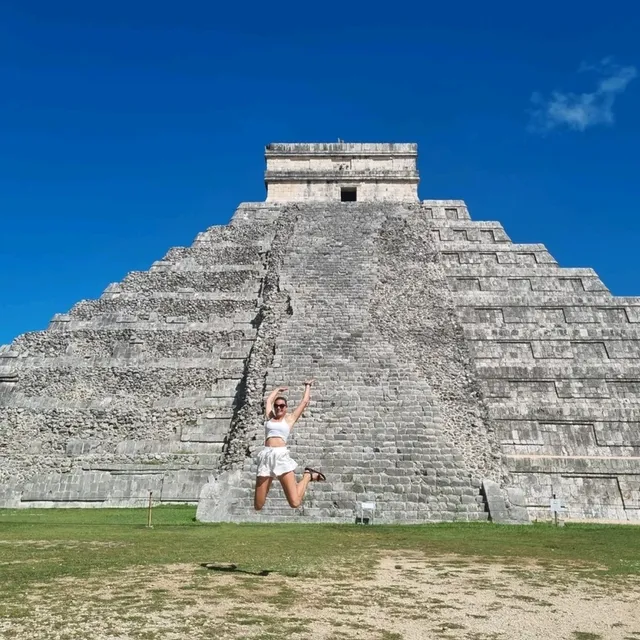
[276, 429]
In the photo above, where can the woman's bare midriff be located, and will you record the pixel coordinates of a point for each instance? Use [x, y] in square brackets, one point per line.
[275, 442]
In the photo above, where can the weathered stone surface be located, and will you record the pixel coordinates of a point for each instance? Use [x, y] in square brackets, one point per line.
[459, 376]
[219, 496]
[319, 172]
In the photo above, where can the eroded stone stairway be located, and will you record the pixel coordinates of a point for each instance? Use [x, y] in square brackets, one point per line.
[362, 282]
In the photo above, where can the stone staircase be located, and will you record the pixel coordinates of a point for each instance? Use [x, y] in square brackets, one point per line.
[375, 426]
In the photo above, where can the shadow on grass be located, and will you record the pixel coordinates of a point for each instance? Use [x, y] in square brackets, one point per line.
[232, 568]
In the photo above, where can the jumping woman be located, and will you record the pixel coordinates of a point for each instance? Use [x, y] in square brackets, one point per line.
[274, 460]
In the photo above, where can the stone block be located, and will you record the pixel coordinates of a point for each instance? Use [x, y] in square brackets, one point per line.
[81, 446]
[499, 511]
[184, 485]
[516, 497]
[133, 489]
[82, 486]
[208, 430]
[615, 433]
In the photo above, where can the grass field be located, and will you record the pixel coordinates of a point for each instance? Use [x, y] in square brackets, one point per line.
[68, 573]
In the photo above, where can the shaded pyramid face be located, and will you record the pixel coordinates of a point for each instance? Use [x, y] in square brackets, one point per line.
[458, 374]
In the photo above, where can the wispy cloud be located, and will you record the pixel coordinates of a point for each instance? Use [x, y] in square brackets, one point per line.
[579, 111]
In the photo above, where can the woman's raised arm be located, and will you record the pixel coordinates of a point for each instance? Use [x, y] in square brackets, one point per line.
[295, 416]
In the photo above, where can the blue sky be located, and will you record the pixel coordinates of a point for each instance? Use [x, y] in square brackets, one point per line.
[127, 129]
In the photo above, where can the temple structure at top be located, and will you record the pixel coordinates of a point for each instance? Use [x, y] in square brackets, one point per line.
[342, 172]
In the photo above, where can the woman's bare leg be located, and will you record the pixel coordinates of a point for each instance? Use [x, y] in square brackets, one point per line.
[263, 484]
[294, 491]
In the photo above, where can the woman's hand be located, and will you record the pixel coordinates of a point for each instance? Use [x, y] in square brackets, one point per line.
[282, 389]
[308, 383]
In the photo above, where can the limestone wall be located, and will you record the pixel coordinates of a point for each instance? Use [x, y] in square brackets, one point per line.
[558, 363]
[298, 189]
[318, 172]
[134, 392]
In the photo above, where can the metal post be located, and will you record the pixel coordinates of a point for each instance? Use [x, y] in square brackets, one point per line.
[149, 525]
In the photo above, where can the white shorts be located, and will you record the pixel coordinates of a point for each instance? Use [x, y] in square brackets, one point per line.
[274, 461]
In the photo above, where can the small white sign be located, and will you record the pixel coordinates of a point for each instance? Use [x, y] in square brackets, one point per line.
[555, 505]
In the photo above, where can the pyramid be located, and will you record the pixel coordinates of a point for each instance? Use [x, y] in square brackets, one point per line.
[459, 376]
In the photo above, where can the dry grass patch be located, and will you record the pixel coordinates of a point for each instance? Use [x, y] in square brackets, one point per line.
[407, 596]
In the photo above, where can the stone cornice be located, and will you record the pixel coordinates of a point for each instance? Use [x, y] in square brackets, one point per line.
[350, 149]
[341, 176]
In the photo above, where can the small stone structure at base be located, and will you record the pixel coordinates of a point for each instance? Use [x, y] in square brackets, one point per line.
[459, 376]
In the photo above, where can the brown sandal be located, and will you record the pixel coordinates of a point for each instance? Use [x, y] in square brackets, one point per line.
[319, 477]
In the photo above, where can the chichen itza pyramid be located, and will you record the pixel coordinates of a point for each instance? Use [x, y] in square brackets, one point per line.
[459, 376]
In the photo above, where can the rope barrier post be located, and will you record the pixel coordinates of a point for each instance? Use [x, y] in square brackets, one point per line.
[149, 525]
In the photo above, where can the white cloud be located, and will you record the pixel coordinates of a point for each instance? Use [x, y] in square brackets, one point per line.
[578, 111]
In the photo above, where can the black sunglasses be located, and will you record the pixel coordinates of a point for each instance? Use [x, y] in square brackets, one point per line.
[279, 406]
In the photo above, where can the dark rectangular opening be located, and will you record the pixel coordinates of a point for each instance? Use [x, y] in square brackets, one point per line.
[348, 194]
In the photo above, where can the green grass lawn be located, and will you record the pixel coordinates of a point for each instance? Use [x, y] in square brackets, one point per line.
[81, 570]
[77, 542]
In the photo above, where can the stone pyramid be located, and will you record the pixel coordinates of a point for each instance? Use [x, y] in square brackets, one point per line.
[459, 376]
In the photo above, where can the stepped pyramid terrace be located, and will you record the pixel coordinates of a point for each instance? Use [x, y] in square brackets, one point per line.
[459, 376]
